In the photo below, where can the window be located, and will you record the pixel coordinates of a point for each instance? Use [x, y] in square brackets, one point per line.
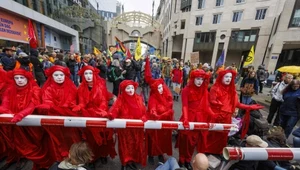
[295, 18]
[205, 37]
[182, 24]
[199, 20]
[260, 14]
[244, 35]
[240, 1]
[237, 16]
[201, 4]
[219, 2]
[217, 18]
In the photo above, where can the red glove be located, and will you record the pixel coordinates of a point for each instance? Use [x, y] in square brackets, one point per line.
[17, 118]
[144, 119]
[217, 104]
[110, 116]
[102, 114]
[256, 107]
[186, 124]
[76, 108]
[43, 107]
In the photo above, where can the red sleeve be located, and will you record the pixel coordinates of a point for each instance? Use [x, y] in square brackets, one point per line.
[27, 111]
[213, 98]
[152, 108]
[115, 109]
[185, 107]
[5, 102]
[47, 97]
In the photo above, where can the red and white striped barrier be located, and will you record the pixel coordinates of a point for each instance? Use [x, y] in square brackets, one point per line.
[261, 154]
[41, 120]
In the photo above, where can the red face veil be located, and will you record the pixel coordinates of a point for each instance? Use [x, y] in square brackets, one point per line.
[166, 97]
[83, 89]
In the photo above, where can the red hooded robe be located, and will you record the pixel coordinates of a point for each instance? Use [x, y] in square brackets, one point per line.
[21, 101]
[58, 100]
[224, 100]
[195, 108]
[130, 141]
[93, 103]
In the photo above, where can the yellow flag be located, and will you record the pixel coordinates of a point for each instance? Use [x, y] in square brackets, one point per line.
[250, 58]
[138, 50]
[157, 54]
[96, 51]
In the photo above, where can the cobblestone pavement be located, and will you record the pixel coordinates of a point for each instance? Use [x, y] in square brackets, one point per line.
[115, 164]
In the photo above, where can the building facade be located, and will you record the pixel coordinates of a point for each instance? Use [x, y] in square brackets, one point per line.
[211, 26]
[14, 28]
[110, 14]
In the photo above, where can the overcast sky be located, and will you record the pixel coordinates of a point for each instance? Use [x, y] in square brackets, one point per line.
[129, 5]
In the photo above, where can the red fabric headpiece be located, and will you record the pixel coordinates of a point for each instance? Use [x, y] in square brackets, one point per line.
[155, 83]
[126, 83]
[24, 73]
[95, 70]
[52, 69]
[199, 73]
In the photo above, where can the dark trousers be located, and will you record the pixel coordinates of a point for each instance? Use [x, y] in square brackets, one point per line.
[288, 123]
[116, 85]
[274, 107]
[261, 85]
[40, 78]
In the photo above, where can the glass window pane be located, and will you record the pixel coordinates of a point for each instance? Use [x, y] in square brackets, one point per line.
[240, 36]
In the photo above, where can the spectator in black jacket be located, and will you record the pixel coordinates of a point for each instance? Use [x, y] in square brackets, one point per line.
[38, 67]
[73, 67]
[101, 65]
[130, 68]
[249, 87]
[60, 60]
[6, 58]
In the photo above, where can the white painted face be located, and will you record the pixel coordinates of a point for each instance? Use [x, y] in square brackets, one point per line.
[20, 80]
[58, 77]
[130, 90]
[227, 78]
[160, 89]
[198, 81]
[88, 75]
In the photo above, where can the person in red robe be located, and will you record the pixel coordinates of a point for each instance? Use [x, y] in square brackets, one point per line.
[224, 100]
[59, 97]
[20, 99]
[92, 94]
[195, 108]
[160, 107]
[131, 144]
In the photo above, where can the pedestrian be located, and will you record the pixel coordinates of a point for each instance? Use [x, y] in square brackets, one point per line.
[223, 102]
[46, 63]
[289, 109]
[73, 67]
[80, 155]
[249, 87]
[37, 67]
[131, 144]
[195, 108]
[20, 99]
[160, 107]
[88, 60]
[6, 58]
[60, 60]
[167, 73]
[262, 77]
[116, 73]
[101, 65]
[93, 102]
[186, 71]
[155, 71]
[130, 69]
[177, 78]
[277, 99]
[59, 97]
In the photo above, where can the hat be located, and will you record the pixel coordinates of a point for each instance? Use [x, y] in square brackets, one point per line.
[22, 54]
[205, 65]
[256, 141]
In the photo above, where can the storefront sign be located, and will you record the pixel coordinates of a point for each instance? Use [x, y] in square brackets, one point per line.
[13, 27]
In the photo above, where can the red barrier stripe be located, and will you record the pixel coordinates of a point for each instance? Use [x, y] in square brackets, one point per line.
[6, 121]
[169, 126]
[199, 127]
[234, 153]
[95, 123]
[285, 154]
[134, 124]
[227, 127]
[52, 122]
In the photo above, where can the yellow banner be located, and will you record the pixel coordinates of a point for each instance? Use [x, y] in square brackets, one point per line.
[96, 51]
[138, 50]
[250, 58]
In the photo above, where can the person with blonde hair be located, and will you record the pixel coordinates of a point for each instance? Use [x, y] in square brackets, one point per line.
[79, 156]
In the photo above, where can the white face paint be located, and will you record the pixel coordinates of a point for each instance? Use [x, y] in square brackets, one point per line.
[130, 90]
[227, 78]
[88, 75]
[58, 77]
[20, 80]
[160, 89]
[198, 81]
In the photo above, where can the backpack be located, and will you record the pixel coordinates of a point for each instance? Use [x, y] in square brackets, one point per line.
[111, 76]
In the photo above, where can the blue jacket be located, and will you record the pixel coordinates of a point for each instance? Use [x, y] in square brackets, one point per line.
[289, 105]
[7, 62]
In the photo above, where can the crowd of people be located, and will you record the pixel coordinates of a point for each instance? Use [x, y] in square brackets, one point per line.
[55, 84]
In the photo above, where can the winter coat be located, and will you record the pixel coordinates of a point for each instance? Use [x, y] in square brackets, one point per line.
[291, 100]
[8, 63]
[177, 75]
